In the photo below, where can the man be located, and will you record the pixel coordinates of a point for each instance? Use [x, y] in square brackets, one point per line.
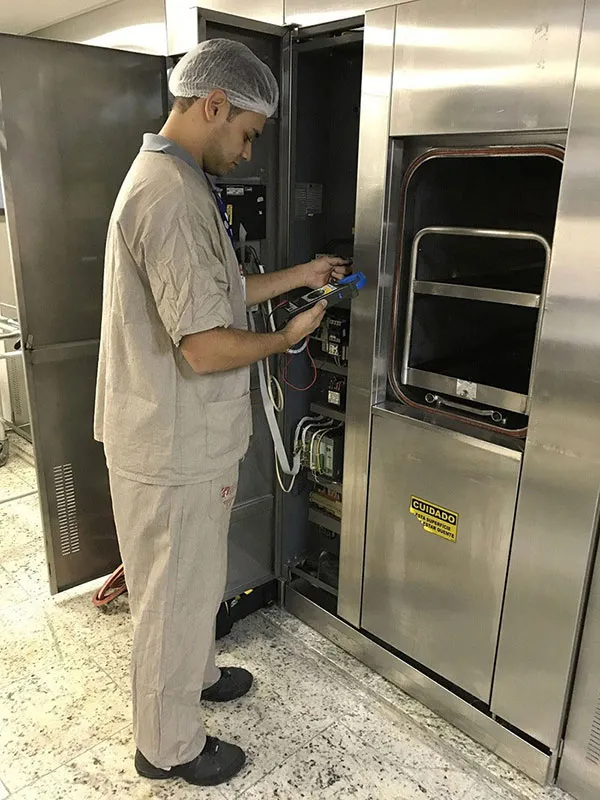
[172, 405]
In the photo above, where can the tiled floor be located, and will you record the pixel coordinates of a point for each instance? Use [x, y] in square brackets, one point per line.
[317, 723]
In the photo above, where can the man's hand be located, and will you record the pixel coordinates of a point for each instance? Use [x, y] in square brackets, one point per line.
[302, 325]
[322, 270]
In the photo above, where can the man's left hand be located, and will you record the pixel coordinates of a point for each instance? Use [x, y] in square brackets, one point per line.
[320, 271]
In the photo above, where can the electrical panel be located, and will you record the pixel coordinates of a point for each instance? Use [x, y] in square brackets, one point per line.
[246, 205]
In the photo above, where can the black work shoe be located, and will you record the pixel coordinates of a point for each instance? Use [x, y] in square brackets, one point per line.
[217, 763]
[234, 682]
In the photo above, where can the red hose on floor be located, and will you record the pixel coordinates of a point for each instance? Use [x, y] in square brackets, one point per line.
[111, 589]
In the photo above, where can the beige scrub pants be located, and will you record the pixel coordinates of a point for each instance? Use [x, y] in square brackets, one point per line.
[173, 542]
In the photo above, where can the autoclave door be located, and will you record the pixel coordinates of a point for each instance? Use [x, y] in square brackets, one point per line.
[252, 531]
[72, 119]
[441, 508]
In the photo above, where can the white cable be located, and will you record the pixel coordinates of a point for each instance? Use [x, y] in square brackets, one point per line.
[318, 464]
[289, 469]
[301, 349]
[272, 382]
[291, 351]
[285, 489]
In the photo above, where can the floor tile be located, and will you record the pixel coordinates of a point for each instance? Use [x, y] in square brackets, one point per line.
[20, 528]
[450, 742]
[20, 445]
[291, 701]
[76, 619]
[443, 784]
[114, 655]
[397, 737]
[356, 669]
[507, 778]
[30, 571]
[336, 765]
[28, 643]
[106, 771]
[316, 724]
[10, 591]
[11, 484]
[55, 715]
[451, 737]
[24, 470]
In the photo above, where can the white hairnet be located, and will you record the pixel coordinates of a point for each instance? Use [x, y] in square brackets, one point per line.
[231, 66]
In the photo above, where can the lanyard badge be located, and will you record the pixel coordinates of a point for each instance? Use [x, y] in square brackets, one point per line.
[224, 215]
[226, 222]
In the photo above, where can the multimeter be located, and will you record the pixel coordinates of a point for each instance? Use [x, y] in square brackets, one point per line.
[333, 293]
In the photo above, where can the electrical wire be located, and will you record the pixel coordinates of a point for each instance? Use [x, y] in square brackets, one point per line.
[285, 489]
[111, 589]
[284, 373]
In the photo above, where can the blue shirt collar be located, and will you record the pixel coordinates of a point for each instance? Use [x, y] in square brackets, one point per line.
[155, 143]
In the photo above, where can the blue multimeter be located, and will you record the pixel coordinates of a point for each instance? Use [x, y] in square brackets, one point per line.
[333, 293]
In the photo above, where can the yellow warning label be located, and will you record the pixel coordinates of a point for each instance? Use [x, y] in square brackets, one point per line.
[435, 519]
[230, 214]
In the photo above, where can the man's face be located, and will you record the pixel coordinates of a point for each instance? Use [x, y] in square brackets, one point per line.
[231, 142]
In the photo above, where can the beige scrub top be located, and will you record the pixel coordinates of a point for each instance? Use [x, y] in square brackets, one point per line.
[170, 271]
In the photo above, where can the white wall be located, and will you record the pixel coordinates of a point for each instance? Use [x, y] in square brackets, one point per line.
[137, 25]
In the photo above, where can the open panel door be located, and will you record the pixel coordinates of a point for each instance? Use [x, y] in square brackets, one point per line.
[72, 120]
[252, 533]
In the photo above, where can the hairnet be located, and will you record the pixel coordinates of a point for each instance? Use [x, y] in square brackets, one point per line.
[231, 66]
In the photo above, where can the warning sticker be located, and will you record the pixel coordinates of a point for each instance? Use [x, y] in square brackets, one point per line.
[435, 519]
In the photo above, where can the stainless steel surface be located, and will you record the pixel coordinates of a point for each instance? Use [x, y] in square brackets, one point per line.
[476, 724]
[438, 601]
[414, 376]
[579, 771]
[488, 395]
[472, 292]
[436, 400]
[557, 511]
[309, 12]
[487, 174]
[474, 66]
[479, 293]
[137, 25]
[363, 389]
[19, 401]
[58, 201]
[74, 494]
[181, 18]
[59, 197]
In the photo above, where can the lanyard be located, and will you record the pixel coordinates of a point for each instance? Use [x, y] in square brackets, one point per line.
[222, 211]
[225, 217]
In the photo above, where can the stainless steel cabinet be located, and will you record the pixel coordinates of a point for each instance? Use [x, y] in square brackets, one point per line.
[72, 121]
[441, 508]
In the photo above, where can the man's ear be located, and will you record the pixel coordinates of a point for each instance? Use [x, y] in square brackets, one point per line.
[216, 104]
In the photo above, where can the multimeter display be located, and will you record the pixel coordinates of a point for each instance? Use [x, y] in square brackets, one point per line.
[319, 294]
[334, 293]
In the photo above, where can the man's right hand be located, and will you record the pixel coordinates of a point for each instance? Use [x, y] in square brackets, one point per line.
[304, 324]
